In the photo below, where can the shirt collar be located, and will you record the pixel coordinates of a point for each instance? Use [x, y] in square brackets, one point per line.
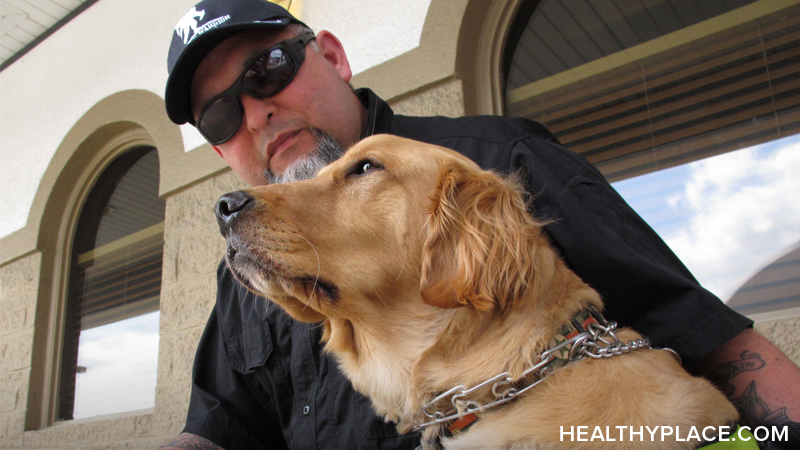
[379, 113]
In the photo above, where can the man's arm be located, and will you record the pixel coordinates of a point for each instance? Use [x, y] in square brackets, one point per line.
[759, 379]
[191, 442]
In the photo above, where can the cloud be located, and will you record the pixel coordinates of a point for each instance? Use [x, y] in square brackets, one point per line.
[121, 365]
[743, 212]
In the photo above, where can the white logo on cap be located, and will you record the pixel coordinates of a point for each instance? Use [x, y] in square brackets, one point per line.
[188, 27]
[188, 24]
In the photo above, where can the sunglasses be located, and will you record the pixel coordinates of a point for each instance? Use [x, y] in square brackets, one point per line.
[268, 74]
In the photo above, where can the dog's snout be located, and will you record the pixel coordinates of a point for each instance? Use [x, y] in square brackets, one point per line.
[229, 207]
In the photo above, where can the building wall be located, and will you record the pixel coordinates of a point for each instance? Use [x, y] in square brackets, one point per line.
[18, 289]
[783, 332]
[106, 83]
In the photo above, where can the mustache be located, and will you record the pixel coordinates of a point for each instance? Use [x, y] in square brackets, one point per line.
[326, 151]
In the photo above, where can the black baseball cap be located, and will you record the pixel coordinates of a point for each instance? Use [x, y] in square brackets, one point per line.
[203, 27]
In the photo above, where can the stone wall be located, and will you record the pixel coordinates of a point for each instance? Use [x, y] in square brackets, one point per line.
[18, 289]
[192, 250]
[445, 98]
[785, 334]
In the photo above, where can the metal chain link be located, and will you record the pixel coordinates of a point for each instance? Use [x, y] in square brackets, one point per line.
[600, 347]
[596, 342]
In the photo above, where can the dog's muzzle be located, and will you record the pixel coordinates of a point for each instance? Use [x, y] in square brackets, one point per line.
[229, 208]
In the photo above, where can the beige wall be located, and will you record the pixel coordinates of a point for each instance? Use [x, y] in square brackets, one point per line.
[18, 288]
[448, 73]
[783, 332]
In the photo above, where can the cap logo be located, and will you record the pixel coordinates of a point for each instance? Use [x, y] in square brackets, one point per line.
[188, 27]
[188, 24]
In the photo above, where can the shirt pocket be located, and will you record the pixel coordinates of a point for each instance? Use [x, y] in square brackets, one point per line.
[249, 348]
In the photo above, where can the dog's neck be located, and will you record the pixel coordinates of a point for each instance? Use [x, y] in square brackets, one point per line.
[468, 347]
[379, 354]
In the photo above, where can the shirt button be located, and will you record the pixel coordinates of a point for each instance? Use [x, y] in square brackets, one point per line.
[306, 410]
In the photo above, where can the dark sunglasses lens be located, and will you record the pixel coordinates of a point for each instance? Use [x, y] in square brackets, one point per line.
[269, 74]
[221, 119]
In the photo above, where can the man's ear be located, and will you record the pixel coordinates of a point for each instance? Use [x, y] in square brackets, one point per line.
[480, 243]
[333, 51]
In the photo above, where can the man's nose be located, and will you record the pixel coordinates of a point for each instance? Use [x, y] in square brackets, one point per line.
[229, 207]
[257, 112]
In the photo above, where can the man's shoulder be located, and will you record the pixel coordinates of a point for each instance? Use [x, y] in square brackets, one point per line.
[489, 141]
[484, 128]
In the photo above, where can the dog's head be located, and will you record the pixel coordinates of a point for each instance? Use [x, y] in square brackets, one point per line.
[405, 251]
[391, 221]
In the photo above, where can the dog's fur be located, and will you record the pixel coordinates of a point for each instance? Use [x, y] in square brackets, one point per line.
[426, 273]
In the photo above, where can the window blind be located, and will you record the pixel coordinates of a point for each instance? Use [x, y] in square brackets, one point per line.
[724, 91]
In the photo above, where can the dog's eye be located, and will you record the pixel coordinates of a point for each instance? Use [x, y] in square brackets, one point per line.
[364, 167]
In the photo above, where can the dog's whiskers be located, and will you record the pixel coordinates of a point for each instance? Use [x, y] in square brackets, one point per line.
[271, 304]
[381, 298]
[319, 268]
[403, 267]
[319, 325]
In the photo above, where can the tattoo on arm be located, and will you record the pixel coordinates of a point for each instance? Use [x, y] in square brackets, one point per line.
[756, 412]
[753, 410]
[190, 441]
[722, 374]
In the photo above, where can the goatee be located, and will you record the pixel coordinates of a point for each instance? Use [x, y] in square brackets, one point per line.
[326, 152]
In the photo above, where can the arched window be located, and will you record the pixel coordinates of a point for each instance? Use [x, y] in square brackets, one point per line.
[691, 108]
[110, 345]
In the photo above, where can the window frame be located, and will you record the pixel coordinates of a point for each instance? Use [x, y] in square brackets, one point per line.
[43, 412]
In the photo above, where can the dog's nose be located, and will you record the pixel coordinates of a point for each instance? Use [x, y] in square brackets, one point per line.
[229, 207]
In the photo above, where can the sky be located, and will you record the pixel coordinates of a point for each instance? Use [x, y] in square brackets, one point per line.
[726, 216]
[121, 361]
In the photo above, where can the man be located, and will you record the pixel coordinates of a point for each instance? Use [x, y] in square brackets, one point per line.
[275, 103]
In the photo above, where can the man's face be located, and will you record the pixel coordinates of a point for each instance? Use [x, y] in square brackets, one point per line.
[276, 131]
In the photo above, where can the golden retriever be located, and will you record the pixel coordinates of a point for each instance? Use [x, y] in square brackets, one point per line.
[428, 273]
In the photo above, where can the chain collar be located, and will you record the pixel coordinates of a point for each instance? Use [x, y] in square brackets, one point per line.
[586, 335]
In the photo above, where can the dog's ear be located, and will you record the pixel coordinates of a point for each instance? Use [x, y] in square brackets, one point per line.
[480, 243]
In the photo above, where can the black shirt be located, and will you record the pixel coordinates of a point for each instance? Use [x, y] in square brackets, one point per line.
[261, 381]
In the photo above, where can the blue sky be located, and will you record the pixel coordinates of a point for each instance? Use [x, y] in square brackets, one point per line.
[726, 216]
